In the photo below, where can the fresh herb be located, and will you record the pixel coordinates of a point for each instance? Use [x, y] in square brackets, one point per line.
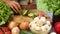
[53, 5]
[5, 13]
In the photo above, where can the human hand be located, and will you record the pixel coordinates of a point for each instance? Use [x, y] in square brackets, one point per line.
[14, 5]
[31, 1]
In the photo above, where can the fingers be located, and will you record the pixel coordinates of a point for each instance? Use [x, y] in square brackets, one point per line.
[31, 1]
[15, 6]
[13, 9]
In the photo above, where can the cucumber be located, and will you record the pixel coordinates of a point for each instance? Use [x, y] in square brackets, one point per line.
[26, 32]
[32, 15]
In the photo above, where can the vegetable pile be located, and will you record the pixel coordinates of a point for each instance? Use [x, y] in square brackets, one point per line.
[5, 13]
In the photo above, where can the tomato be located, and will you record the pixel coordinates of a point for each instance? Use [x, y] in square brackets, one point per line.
[1, 32]
[57, 27]
[8, 32]
[5, 29]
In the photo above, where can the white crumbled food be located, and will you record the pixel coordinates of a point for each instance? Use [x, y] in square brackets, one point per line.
[15, 30]
[52, 33]
[36, 19]
[43, 19]
[48, 22]
[40, 26]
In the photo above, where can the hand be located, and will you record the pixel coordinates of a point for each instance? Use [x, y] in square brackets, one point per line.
[14, 5]
[31, 1]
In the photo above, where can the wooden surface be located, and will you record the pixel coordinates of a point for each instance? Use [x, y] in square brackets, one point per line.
[30, 6]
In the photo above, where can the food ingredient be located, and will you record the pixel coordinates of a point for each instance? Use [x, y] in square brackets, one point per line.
[50, 6]
[57, 27]
[40, 25]
[1, 32]
[5, 30]
[32, 15]
[15, 30]
[27, 13]
[26, 32]
[12, 24]
[53, 5]
[52, 33]
[5, 13]
[24, 26]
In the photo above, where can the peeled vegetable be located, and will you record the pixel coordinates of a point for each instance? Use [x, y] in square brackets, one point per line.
[12, 24]
[15, 30]
[24, 26]
[40, 25]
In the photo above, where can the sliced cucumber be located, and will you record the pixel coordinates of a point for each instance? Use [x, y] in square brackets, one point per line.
[26, 12]
[32, 15]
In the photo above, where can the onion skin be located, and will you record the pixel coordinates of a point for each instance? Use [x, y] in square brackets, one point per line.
[24, 26]
[12, 24]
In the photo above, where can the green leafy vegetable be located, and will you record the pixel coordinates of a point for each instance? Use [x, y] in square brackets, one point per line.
[53, 5]
[57, 12]
[49, 5]
[5, 13]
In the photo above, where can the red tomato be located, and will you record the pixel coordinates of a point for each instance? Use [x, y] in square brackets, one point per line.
[1, 32]
[8, 32]
[5, 29]
[57, 27]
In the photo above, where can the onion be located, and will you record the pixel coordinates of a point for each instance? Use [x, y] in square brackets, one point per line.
[12, 24]
[24, 26]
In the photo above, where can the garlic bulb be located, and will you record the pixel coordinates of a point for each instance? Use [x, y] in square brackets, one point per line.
[15, 30]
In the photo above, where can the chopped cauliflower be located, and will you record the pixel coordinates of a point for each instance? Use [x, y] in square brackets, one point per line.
[52, 33]
[40, 25]
[42, 19]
